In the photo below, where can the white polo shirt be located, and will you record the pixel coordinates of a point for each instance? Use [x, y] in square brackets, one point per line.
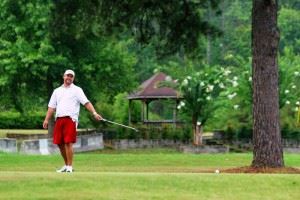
[67, 100]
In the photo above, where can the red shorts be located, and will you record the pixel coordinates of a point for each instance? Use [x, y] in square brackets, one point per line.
[64, 131]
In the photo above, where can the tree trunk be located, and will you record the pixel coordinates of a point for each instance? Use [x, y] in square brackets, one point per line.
[50, 90]
[208, 37]
[197, 133]
[266, 128]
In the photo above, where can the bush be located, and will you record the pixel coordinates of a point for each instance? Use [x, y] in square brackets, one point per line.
[290, 133]
[243, 133]
[164, 132]
[16, 120]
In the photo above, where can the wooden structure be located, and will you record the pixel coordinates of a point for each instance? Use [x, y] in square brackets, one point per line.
[150, 91]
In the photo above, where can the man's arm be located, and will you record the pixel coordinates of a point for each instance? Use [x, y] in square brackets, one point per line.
[48, 116]
[91, 108]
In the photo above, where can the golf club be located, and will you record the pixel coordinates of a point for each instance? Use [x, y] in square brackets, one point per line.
[105, 120]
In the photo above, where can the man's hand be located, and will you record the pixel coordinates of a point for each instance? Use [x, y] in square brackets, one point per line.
[48, 116]
[97, 116]
[45, 124]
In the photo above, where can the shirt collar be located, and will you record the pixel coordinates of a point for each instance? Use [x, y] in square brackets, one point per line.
[63, 86]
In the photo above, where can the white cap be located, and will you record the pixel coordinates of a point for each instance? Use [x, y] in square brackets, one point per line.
[69, 71]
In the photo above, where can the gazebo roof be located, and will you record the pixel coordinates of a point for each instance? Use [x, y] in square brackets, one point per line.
[149, 89]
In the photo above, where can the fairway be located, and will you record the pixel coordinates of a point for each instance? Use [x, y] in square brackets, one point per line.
[142, 174]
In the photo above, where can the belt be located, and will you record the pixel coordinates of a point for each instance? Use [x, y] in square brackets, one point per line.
[63, 117]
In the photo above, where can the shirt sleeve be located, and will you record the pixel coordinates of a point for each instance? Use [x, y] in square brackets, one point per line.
[53, 101]
[81, 97]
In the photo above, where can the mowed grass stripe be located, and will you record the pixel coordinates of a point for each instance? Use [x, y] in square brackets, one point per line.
[95, 185]
[150, 174]
[125, 162]
[135, 162]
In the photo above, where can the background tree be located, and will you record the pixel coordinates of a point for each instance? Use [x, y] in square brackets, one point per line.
[202, 92]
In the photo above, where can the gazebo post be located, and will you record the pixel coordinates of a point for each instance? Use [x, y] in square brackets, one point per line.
[129, 112]
[175, 113]
[143, 111]
[147, 110]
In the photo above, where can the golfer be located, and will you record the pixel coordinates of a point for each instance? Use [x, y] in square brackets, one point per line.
[65, 102]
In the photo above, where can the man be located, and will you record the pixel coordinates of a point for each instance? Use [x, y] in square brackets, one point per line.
[65, 102]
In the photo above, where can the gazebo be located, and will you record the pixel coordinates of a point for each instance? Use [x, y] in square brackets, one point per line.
[150, 91]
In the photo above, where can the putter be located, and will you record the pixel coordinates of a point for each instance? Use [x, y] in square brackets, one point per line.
[105, 120]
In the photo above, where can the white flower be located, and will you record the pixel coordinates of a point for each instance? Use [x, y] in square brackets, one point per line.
[178, 107]
[250, 79]
[198, 123]
[287, 102]
[216, 81]
[168, 78]
[209, 88]
[286, 91]
[182, 104]
[230, 96]
[235, 78]
[208, 98]
[296, 73]
[294, 86]
[221, 85]
[227, 72]
[188, 77]
[235, 84]
[298, 103]
[236, 107]
[185, 82]
[202, 83]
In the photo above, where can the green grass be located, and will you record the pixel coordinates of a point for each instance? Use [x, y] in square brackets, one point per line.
[142, 174]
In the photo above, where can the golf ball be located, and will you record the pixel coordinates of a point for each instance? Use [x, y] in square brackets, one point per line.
[217, 171]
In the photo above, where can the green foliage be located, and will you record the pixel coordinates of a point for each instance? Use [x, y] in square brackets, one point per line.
[25, 49]
[289, 24]
[121, 109]
[40, 39]
[181, 133]
[17, 120]
[201, 90]
[168, 25]
[109, 68]
[289, 80]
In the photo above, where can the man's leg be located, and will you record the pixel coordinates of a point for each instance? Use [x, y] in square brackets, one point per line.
[64, 155]
[69, 153]
[63, 152]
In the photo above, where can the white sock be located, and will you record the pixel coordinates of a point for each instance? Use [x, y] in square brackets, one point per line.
[69, 167]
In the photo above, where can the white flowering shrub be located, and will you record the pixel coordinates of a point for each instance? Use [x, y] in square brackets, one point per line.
[201, 89]
[289, 92]
[223, 96]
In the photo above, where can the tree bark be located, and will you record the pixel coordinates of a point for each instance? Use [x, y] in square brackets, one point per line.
[208, 37]
[266, 128]
[50, 90]
[197, 132]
